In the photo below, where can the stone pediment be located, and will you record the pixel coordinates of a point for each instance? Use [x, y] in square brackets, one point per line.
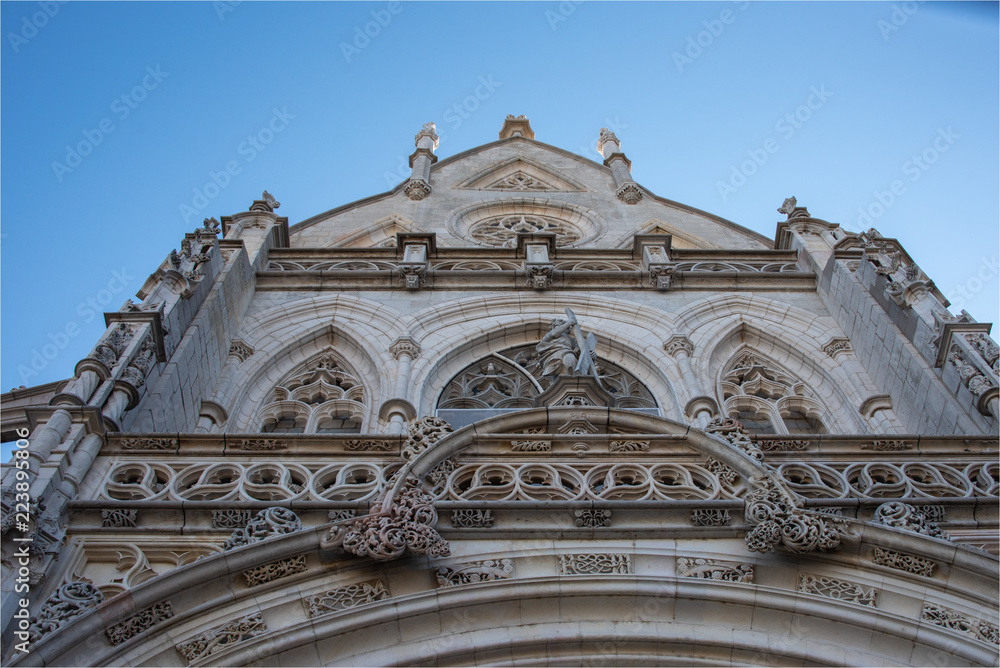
[520, 175]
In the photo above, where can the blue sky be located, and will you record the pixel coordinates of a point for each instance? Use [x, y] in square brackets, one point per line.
[116, 115]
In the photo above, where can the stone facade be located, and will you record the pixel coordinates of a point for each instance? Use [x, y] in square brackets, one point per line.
[519, 409]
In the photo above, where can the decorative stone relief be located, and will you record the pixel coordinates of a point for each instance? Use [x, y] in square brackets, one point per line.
[139, 622]
[369, 446]
[265, 524]
[977, 383]
[341, 515]
[903, 562]
[118, 518]
[629, 446]
[259, 444]
[66, 602]
[424, 433]
[230, 518]
[781, 445]
[888, 445]
[519, 181]
[661, 276]
[595, 563]
[413, 275]
[713, 569]
[477, 571]
[591, 518]
[531, 446]
[417, 189]
[148, 443]
[404, 345]
[776, 521]
[710, 517]
[240, 350]
[629, 193]
[678, 344]
[501, 231]
[841, 590]
[343, 598]
[838, 346]
[958, 621]
[987, 349]
[472, 518]
[901, 515]
[539, 276]
[221, 637]
[264, 573]
[733, 432]
[407, 527]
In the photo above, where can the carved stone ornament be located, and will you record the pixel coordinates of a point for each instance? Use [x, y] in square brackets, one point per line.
[472, 518]
[231, 518]
[369, 445]
[133, 377]
[531, 446]
[264, 573]
[341, 515]
[539, 276]
[148, 443]
[146, 357]
[775, 520]
[629, 193]
[424, 433]
[417, 189]
[404, 346]
[888, 446]
[343, 598]
[240, 350]
[678, 344]
[661, 276]
[710, 517]
[971, 376]
[958, 621]
[591, 518]
[733, 432]
[118, 518]
[713, 569]
[987, 349]
[841, 590]
[139, 622]
[259, 444]
[781, 445]
[901, 515]
[837, 346]
[269, 199]
[266, 524]
[66, 602]
[413, 275]
[594, 563]
[406, 527]
[477, 571]
[903, 562]
[221, 637]
[629, 446]
[606, 136]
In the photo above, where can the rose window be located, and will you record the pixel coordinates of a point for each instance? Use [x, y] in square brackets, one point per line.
[502, 231]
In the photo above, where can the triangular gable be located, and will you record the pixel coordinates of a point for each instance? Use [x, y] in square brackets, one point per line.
[520, 174]
[381, 233]
[681, 240]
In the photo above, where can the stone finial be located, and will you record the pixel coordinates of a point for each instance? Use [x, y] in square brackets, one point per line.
[516, 126]
[610, 140]
[429, 130]
[266, 203]
[791, 209]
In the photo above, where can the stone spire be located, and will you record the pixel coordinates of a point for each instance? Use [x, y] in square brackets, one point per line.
[626, 189]
[419, 185]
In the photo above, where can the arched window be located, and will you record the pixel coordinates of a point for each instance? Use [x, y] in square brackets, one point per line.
[321, 396]
[767, 399]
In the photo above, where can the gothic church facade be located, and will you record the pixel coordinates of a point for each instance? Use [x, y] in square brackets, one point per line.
[519, 410]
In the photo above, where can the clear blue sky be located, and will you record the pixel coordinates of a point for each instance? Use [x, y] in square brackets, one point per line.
[161, 95]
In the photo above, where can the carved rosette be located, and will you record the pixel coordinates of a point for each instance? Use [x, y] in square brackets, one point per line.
[68, 601]
[775, 520]
[417, 189]
[267, 523]
[407, 527]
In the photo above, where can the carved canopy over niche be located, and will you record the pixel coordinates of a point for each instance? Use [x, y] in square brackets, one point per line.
[322, 396]
[513, 378]
[497, 223]
[767, 399]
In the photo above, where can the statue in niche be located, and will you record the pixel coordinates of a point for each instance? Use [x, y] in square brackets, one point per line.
[565, 351]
